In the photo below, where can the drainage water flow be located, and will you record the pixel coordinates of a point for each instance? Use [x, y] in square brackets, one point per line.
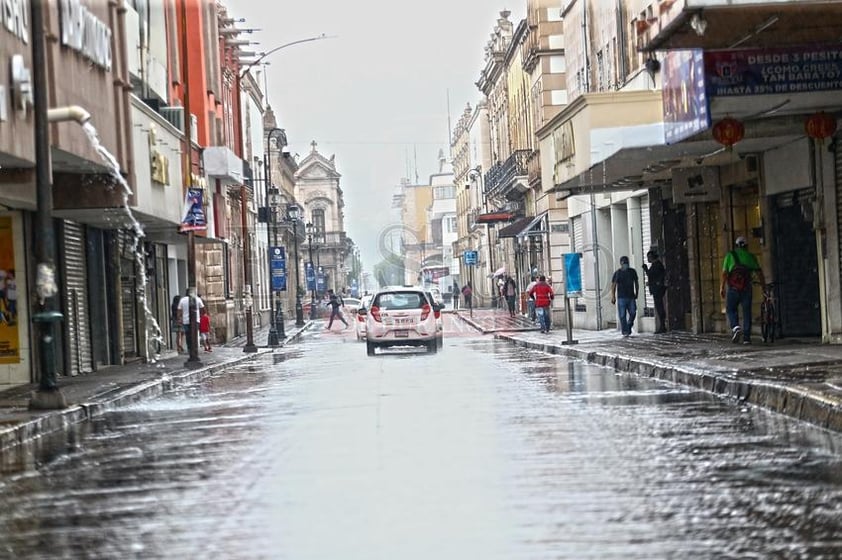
[154, 335]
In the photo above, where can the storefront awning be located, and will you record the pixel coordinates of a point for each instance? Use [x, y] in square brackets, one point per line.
[645, 167]
[523, 227]
[494, 217]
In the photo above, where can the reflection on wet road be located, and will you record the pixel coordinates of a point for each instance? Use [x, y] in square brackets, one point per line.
[481, 451]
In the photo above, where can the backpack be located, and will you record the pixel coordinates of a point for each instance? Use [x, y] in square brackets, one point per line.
[740, 276]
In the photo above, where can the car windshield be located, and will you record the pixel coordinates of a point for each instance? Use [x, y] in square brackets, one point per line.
[400, 300]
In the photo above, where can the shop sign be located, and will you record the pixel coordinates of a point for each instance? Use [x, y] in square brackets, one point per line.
[9, 335]
[564, 148]
[695, 184]
[685, 99]
[22, 98]
[83, 32]
[773, 70]
[159, 163]
[15, 14]
[563, 142]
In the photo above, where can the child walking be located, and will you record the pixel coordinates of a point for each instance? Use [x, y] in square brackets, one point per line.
[204, 330]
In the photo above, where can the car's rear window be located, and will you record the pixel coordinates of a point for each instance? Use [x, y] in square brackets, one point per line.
[399, 300]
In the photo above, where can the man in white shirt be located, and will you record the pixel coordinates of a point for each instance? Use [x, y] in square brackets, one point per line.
[184, 306]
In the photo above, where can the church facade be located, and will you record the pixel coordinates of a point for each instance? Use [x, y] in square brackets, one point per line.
[327, 250]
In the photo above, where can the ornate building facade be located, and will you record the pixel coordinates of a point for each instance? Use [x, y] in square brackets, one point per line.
[318, 192]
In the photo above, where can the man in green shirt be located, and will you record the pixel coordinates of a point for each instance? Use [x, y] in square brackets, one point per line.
[737, 269]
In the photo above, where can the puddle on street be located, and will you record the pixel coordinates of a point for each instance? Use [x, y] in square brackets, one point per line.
[483, 450]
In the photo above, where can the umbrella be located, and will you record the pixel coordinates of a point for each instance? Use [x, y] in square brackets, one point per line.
[500, 272]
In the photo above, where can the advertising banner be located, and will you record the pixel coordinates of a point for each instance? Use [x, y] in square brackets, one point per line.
[9, 336]
[773, 70]
[278, 268]
[320, 280]
[685, 98]
[310, 275]
[194, 211]
[573, 274]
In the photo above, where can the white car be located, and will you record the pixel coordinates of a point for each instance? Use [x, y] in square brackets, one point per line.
[401, 317]
[437, 295]
[359, 318]
[351, 304]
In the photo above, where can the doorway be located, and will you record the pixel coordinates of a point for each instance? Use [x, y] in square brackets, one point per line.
[796, 264]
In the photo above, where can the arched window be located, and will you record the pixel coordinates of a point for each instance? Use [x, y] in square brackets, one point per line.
[318, 219]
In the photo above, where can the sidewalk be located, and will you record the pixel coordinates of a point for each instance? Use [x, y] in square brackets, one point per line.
[800, 379]
[496, 320]
[93, 394]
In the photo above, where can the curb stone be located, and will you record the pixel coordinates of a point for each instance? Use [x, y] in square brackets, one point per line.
[798, 401]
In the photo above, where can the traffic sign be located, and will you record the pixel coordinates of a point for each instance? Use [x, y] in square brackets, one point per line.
[470, 257]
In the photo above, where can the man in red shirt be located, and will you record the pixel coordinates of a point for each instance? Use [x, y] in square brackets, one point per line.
[543, 295]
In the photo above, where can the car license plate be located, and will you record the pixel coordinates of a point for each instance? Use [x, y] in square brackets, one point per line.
[401, 334]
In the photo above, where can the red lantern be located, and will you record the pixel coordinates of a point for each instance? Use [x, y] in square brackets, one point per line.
[728, 131]
[820, 126]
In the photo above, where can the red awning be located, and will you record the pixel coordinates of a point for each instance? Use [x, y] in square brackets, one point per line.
[494, 217]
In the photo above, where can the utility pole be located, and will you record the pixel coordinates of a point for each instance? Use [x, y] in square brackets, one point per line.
[247, 296]
[193, 360]
[48, 395]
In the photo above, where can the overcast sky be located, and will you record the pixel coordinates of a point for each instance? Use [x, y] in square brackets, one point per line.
[377, 93]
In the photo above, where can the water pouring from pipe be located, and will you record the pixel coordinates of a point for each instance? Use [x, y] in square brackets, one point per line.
[153, 329]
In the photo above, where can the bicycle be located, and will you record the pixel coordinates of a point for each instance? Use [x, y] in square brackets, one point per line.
[769, 318]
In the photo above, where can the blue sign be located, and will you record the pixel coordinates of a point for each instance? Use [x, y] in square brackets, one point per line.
[470, 257]
[310, 274]
[781, 70]
[573, 274]
[320, 280]
[278, 268]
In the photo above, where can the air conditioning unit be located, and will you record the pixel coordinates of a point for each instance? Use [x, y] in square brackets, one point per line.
[175, 116]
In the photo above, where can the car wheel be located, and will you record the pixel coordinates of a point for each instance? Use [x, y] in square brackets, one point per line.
[369, 348]
[440, 342]
[433, 346]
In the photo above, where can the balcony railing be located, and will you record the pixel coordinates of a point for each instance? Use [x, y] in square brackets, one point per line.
[501, 177]
[533, 168]
[335, 239]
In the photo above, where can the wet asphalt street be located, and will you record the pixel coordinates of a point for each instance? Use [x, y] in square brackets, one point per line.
[482, 451]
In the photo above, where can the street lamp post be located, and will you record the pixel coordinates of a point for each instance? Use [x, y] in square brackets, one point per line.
[263, 55]
[46, 316]
[277, 322]
[273, 202]
[248, 301]
[294, 214]
[311, 233]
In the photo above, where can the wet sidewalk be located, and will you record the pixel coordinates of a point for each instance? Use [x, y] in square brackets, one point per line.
[92, 394]
[802, 379]
[496, 320]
